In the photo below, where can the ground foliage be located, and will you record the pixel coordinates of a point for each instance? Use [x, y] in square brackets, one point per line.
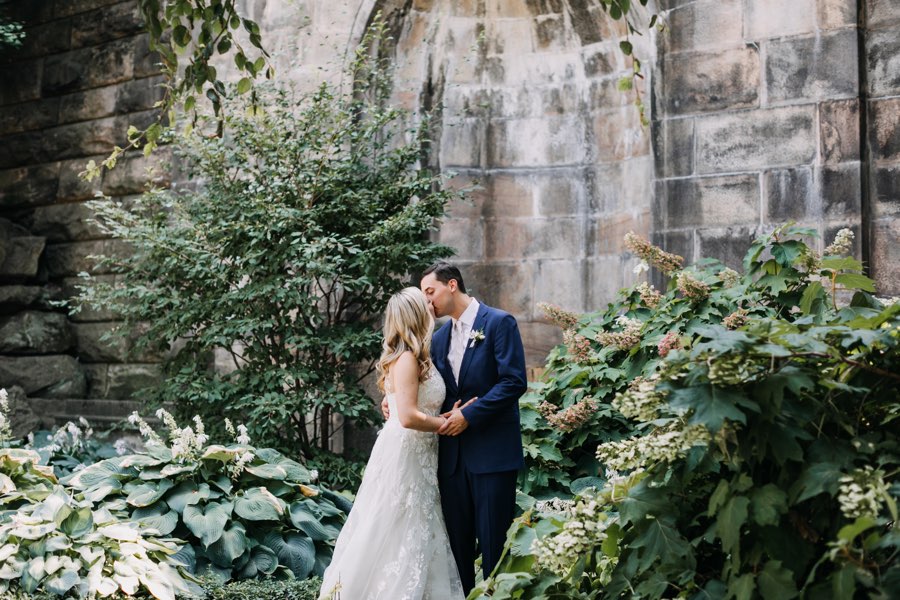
[303, 221]
[751, 446]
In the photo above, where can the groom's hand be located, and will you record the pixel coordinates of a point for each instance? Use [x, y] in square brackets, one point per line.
[455, 422]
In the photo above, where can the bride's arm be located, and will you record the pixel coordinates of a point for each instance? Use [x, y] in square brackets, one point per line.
[405, 375]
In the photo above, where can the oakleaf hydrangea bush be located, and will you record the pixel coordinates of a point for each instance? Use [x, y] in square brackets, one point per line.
[744, 445]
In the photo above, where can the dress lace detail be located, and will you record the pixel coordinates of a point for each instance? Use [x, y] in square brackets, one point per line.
[394, 544]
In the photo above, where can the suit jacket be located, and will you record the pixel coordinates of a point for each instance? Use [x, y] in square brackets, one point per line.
[493, 370]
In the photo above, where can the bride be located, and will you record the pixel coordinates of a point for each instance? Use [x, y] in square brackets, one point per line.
[394, 545]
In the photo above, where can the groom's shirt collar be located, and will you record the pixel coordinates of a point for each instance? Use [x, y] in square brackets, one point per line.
[468, 317]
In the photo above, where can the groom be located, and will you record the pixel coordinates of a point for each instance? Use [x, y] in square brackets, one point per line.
[479, 353]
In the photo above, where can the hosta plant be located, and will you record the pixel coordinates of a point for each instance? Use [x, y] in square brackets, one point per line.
[244, 511]
[51, 541]
[765, 456]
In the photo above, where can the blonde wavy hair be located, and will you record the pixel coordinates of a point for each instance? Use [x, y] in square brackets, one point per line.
[407, 327]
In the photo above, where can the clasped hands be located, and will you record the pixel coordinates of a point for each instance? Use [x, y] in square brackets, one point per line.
[454, 421]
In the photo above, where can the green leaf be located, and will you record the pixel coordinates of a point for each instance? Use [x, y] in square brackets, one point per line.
[816, 479]
[148, 493]
[257, 504]
[207, 521]
[849, 532]
[63, 582]
[78, 523]
[843, 583]
[295, 551]
[244, 85]
[814, 292]
[854, 281]
[230, 545]
[626, 47]
[777, 582]
[187, 493]
[729, 521]
[742, 588]
[711, 405]
[660, 540]
[157, 517]
[768, 504]
[307, 522]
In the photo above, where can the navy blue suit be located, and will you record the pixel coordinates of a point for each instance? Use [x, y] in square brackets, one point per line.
[477, 469]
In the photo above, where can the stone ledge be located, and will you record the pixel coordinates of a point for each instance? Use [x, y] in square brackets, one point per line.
[55, 376]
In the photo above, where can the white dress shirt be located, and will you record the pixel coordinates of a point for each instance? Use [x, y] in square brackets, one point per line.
[459, 337]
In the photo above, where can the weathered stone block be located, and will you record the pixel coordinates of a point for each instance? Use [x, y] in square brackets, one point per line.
[112, 22]
[20, 82]
[710, 201]
[673, 144]
[605, 277]
[120, 381]
[729, 245]
[885, 256]
[29, 186]
[29, 116]
[882, 14]
[833, 14]
[462, 143]
[20, 256]
[14, 298]
[789, 194]
[839, 130]
[604, 94]
[536, 142]
[545, 7]
[65, 72]
[562, 194]
[74, 7]
[703, 26]
[47, 38]
[100, 342]
[146, 61]
[840, 191]
[466, 236]
[139, 94]
[511, 195]
[71, 259]
[89, 104]
[561, 282]
[44, 376]
[618, 135]
[476, 196]
[35, 332]
[735, 141]
[885, 129]
[775, 18]
[135, 172]
[538, 339]
[823, 67]
[883, 59]
[508, 286]
[608, 232]
[22, 418]
[600, 61]
[73, 187]
[680, 243]
[70, 287]
[887, 191]
[708, 81]
[605, 184]
[550, 32]
[519, 239]
[64, 222]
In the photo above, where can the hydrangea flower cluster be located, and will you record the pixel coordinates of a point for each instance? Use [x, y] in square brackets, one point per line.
[665, 262]
[559, 316]
[665, 444]
[570, 418]
[729, 277]
[669, 342]
[649, 296]
[861, 493]
[842, 244]
[578, 346]
[585, 529]
[736, 320]
[626, 339]
[556, 506]
[691, 287]
[641, 401]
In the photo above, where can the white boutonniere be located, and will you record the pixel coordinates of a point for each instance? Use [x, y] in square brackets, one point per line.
[476, 335]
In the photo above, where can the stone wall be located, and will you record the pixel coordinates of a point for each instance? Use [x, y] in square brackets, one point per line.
[760, 108]
[84, 74]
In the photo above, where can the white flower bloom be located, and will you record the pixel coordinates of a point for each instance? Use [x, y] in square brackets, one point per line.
[641, 267]
[121, 447]
[243, 437]
[313, 475]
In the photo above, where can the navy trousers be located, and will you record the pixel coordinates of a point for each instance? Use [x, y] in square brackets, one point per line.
[477, 506]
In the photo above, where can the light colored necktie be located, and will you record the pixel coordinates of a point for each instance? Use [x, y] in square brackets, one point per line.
[457, 348]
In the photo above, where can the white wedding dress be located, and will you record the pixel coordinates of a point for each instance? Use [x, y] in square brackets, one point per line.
[394, 544]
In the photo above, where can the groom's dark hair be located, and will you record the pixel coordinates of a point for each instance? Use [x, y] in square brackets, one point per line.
[444, 272]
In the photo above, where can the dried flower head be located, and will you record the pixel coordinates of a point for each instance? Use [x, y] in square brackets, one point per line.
[584, 529]
[729, 277]
[571, 418]
[665, 262]
[649, 296]
[862, 493]
[629, 337]
[641, 401]
[560, 317]
[664, 444]
[736, 320]
[578, 346]
[669, 342]
[691, 287]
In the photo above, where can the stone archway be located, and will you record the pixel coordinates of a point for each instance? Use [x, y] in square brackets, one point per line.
[529, 108]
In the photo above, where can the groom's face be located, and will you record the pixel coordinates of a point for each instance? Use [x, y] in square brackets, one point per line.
[439, 295]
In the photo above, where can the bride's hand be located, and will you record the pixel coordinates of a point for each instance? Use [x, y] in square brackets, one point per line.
[457, 405]
[385, 409]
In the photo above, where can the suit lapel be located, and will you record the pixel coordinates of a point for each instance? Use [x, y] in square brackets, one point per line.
[467, 356]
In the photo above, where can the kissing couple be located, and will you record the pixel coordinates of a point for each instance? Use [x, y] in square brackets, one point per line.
[442, 474]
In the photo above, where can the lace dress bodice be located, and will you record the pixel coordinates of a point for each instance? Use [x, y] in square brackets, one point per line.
[394, 545]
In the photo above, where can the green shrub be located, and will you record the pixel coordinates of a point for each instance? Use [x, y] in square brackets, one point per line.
[265, 589]
[765, 458]
[304, 219]
[244, 511]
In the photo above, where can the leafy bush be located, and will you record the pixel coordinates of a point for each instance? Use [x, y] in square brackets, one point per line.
[244, 511]
[339, 473]
[765, 456]
[72, 447]
[267, 589]
[52, 541]
[303, 221]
